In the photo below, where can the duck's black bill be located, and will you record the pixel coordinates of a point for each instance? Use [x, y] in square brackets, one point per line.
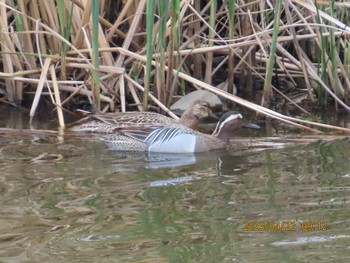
[214, 116]
[251, 126]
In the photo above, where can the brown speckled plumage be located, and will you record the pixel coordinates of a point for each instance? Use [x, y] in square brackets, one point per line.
[112, 122]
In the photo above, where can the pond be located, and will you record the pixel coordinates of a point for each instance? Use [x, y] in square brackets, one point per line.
[66, 198]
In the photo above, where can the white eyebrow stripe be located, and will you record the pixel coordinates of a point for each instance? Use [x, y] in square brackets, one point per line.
[228, 119]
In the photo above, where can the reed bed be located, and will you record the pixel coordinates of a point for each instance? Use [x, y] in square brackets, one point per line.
[145, 53]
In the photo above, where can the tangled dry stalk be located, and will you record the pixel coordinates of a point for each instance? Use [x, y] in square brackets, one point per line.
[48, 45]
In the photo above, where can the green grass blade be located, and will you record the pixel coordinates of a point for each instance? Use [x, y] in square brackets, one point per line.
[271, 60]
[95, 55]
[163, 17]
[149, 48]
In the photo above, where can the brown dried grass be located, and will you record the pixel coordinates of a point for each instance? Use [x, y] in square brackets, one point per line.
[33, 58]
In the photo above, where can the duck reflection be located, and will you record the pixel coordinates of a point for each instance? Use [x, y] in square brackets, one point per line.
[222, 162]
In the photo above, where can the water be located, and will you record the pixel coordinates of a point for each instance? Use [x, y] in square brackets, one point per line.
[68, 199]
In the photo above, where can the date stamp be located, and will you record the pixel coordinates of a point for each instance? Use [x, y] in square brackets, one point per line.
[285, 225]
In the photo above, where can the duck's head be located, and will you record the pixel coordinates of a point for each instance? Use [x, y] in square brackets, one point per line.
[198, 110]
[230, 122]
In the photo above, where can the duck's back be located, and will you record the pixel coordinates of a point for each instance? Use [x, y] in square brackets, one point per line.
[111, 122]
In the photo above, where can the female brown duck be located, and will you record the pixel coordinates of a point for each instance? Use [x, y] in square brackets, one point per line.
[111, 122]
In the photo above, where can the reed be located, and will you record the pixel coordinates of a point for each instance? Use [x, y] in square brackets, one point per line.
[271, 60]
[88, 51]
[149, 50]
[95, 7]
[211, 34]
[65, 20]
[161, 42]
[174, 45]
[231, 32]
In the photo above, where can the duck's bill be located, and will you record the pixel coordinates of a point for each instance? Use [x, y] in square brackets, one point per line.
[251, 126]
[214, 116]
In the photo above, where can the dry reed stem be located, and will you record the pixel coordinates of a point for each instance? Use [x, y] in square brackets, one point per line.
[52, 32]
[35, 17]
[61, 82]
[135, 97]
[10, 62]
[39, 89]
[300, 54]
[102, 68]
[27, 42]
[291, 101]
[16, 69]
[311, 73]
[238, 42]
[132, 30]
[122, 92]
[107, 56]
[87, 93]
[119, 19]
[19, 73]
[161, 105]
[253, 106]
[57, 96]
[84, 19]
[107, 24]
[260, 109]
[59, 37]
[126, 44]
[314, 10]
[332, 78]
[47, 13]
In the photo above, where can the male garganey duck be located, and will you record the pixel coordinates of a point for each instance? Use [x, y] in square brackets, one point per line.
[111, 122]
[176, 139]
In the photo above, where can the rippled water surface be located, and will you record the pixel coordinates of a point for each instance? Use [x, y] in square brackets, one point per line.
[68, 199]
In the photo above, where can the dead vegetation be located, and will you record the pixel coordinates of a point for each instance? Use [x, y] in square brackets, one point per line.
[145, 55]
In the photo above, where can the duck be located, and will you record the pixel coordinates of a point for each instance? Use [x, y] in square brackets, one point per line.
[110, 122]
[178, 138]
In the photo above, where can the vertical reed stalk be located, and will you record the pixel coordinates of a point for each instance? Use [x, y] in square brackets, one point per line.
[300, 54]
[65, 27]
[209, 66]
[333, 54]
[271, 60]
[347, 58]
[95, 56]
[160, 71]
[322, 63]
[197, 67]
[173, 60]
[18, 21]
[57, 96]
[149, 49]
[231, 19]
[6, 47]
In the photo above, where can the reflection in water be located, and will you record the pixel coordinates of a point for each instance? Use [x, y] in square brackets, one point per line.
[306, 240]
[98, 238]
[173, 181]
[93, 205]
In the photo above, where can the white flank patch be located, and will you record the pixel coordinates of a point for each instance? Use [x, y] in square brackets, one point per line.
[182, 143]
